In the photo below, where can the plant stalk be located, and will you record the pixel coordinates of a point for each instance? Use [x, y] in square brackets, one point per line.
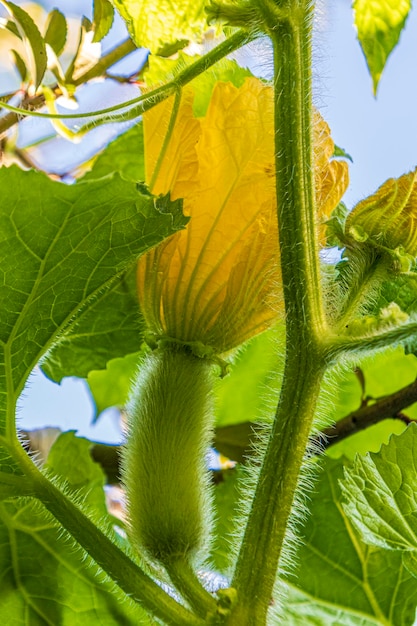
[264, 539]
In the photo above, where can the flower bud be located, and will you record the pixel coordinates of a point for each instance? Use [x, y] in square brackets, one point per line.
[388, 218]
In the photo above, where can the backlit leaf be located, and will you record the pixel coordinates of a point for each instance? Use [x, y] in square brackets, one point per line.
[380, 491]
[69, 458]
[340, 579]
[20, 65]
[226, 495]
[153, 24]
[103, 15]
[56, 31]
[109, 329]
[61, 247]
[379, 24]
[111, 386]
[384, 373]
[34, 43]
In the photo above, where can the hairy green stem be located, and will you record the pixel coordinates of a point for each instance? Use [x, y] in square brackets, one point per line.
[186, 582]
[264, 538]
[115, 563]
[362, 277]
[144, 102]
[167, 138]
[337, 345]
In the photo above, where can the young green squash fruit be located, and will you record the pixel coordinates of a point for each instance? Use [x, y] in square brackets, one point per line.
[165, 474]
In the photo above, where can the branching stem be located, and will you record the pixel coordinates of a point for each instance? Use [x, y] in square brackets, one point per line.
[267, 526]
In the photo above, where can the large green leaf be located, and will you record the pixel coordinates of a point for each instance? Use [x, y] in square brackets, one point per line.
[247, 393]
[70, 458]
[44, 579]
[402, 290]
[155, 24]
[61, 248]
[339, 580]
[109, 329]
[335, 578]
[123, 155]
[379, 24]
[226, 495]
[381, 495]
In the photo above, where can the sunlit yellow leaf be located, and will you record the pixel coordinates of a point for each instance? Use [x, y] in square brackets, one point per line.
[379, 24]
[155, 23]
[389, 216]
[218, 282]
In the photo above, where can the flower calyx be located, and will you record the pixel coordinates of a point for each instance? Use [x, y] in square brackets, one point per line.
[196, 348]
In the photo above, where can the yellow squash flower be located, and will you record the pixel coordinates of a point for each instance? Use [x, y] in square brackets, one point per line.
[217, 283]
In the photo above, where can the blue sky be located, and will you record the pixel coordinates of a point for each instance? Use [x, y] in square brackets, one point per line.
[379, 133]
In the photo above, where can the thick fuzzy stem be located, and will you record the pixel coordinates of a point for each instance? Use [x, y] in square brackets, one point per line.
[264, 539]
[164, 459]
[289, 25]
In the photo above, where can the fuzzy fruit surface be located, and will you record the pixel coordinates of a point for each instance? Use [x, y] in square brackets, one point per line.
[170, 426]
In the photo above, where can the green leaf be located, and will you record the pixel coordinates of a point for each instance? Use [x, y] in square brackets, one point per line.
[20, 65]
[335, 230]
[70, 459]
[111, 386]
[109, 328]
[160, 69]
[56, 31]
[338, 578]
[402, 290]
[44, 579]
[226, 494]
[241, 396]
[34, 42]
[103, 15]
[238, 441]
[12, 28]
[61, 247]
[117, 157]
[153, 24]
[380, 491]
[379, 24]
